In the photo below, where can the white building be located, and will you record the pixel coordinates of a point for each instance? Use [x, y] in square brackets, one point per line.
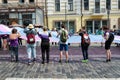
[90, 13]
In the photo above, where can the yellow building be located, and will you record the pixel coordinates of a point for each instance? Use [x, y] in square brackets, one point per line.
[92, 14]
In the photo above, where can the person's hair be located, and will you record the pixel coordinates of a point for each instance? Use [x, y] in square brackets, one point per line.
[14, 31]
[44, 28]
[62, 26]
[83, 27]
[100, 28]
[105, 28]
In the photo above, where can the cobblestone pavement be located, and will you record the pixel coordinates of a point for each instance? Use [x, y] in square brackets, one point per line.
[95, 68]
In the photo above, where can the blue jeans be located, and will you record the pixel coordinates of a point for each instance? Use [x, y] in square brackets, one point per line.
[14, 51]
[31, 50]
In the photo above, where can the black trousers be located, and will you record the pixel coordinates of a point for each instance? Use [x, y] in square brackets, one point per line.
[0, 43]
[84, 48]
[20, 41]
[45, 48]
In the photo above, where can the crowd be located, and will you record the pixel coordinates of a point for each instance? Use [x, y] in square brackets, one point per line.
[30, 32]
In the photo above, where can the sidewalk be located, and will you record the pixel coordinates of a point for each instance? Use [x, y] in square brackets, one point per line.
[75, 69]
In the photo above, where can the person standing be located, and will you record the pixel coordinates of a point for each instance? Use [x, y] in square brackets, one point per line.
[109, 37]
[13, 39]
[100, 32]
[63, 44]
[85, 42]
[20, 41]
[5, 41]
[0, 42]
[45, 44]
[31, 47]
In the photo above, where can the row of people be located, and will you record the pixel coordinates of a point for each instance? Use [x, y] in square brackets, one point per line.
[63, 44]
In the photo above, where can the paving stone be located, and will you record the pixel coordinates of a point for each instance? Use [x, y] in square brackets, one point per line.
[95, 68]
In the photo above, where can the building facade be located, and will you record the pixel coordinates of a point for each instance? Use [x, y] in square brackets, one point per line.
[93, 14]
[21, 11]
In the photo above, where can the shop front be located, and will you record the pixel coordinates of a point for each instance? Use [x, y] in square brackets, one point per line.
[21, 15]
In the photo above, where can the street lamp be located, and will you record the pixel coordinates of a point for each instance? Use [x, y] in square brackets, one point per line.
[108, 14]
[46, 13]
[65, 11]
[81, 14]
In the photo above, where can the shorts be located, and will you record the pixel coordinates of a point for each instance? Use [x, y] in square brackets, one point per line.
[63, 46]
[108, 43]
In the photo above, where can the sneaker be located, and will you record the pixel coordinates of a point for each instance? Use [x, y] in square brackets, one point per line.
[86, 60]
[34, 60]
[29, 63]
[107, 60]
[47, 61]
[42, 62]
[67, 61]
[83, 61]
[12, 60]
[60, 61]
[16, 61]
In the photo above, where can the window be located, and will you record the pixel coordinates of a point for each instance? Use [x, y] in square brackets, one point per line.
[70, 4]
[27, 16]
[118, 4]
[89, 26]
[86, 4]
[104, 23]
[57, 5]
[27, 19]
[4, 1]
[31, 1]
[21, 1]
[97, 6]
[108, 4]
[57, 25]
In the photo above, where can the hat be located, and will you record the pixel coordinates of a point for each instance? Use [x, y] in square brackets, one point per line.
[30, 26]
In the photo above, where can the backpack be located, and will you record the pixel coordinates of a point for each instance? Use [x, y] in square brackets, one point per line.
[111, 36]
[86, 38]
[30, 38]
[63, 36]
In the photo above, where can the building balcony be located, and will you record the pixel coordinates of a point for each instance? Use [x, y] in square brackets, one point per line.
[22, 5]
[101, 11]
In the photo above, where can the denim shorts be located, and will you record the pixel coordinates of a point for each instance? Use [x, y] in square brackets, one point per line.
[63, 46]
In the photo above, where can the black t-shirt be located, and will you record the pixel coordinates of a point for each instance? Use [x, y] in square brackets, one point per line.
[81, 34]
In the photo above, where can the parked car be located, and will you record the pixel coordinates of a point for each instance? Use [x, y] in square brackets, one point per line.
[117, 32]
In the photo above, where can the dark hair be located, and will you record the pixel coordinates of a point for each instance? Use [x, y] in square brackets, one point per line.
[105, 28]
[62, 26]
[83, 27]
[14, 31]
[44, 28]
